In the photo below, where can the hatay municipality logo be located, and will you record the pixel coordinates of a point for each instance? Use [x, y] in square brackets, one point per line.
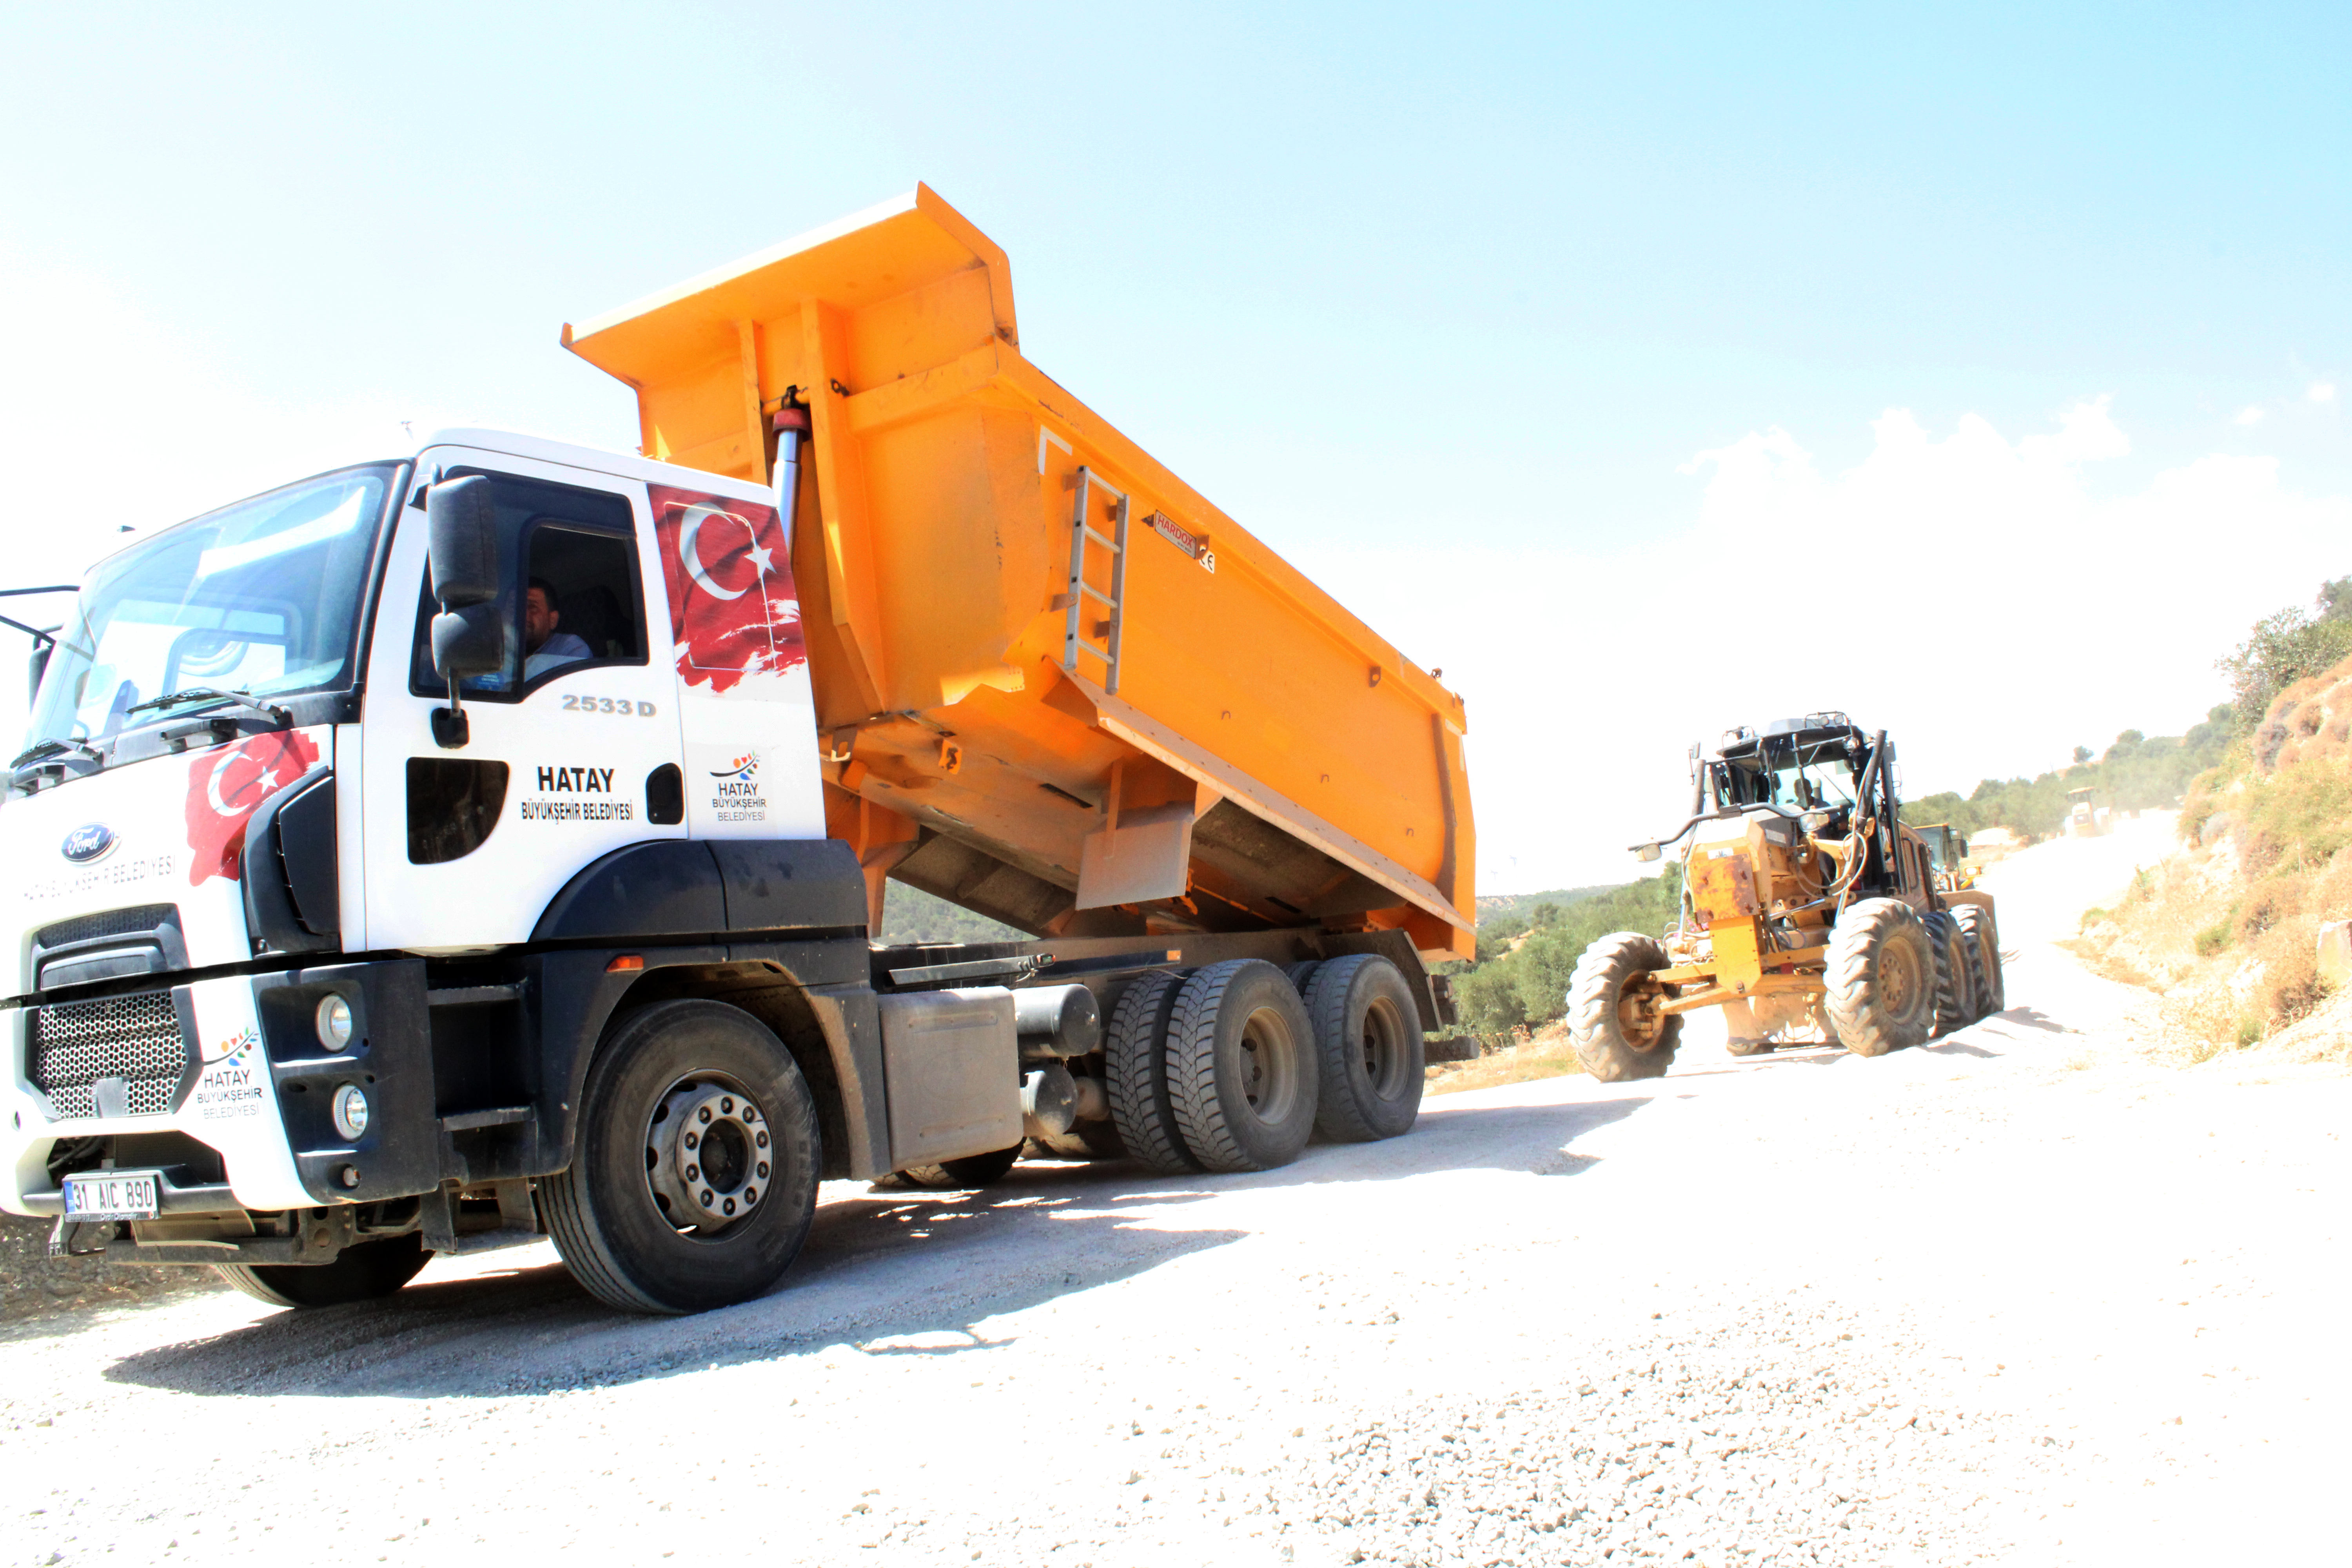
[89, 842]
[743, 770]
[734, 611]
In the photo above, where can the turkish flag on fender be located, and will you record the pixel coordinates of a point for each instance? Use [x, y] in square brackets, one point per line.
[224, 788]
[734, 610]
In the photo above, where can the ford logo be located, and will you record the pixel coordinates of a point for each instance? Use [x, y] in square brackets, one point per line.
[87, 843]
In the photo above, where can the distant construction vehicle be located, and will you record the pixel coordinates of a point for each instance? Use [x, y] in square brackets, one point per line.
[1949, 866]
[1809, 913]
[2084, 817]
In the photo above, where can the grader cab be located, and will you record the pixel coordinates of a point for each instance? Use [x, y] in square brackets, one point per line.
[1809, 913]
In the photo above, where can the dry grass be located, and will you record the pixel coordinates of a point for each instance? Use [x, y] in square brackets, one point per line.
[1546, 1055]
[2226, 934]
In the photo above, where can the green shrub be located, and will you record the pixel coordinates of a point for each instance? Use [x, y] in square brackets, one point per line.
[2217, 936]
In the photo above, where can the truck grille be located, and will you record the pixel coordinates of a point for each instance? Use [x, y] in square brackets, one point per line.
[113, 922]
[71, 1047]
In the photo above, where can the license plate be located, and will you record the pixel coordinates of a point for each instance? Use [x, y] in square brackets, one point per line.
[117, 1194]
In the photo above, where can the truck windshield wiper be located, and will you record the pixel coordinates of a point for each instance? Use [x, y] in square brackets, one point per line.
[53, 748]
[213, 696]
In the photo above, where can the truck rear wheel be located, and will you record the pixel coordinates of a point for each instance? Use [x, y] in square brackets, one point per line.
[1135, 1053]
[364, 1272]
[1882, 978]
[1991, 992]
[1955, 985]
[694, 1169]
[1612, 1017]
[1368, 1032]
[1242, 1067]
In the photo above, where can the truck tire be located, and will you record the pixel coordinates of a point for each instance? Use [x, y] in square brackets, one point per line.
[970, 1171]
[364, 1272]
[1135, 1053]
[1955, 990]
[1614, 1037]
[674, 1088]
[1242, 1067]
[1302, 973]
[1882, 978]
[1978, 922]
[1368, 1032]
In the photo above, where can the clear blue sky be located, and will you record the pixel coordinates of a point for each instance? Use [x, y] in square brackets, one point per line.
[1380, 281]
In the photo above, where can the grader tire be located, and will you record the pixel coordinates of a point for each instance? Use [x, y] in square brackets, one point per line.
[1882, 978]
[1991, 994]
[1605, 1025]
[1955, 985]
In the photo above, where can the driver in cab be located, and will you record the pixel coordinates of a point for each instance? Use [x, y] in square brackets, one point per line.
[544, 645]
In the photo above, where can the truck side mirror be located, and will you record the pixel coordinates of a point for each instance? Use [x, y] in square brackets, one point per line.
[462, 543]
[468, 641]
[1648, 852]
[37, 664]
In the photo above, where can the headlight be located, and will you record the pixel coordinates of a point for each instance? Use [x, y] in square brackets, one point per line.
[335, 1024]
[351, 1111]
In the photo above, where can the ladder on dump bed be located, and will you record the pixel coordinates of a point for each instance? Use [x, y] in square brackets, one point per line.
[1078, 636]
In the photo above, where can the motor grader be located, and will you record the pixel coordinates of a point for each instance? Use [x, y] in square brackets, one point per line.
[1809, 913]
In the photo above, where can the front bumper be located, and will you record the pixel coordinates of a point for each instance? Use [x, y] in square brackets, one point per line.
[259, 1093]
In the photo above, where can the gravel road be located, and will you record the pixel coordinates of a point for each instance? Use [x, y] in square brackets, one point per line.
[2022, 1296]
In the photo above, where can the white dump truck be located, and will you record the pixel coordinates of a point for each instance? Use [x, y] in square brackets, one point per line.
[490, 842]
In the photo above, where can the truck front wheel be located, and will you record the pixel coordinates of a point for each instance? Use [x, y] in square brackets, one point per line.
[363, 1272]
[694, 1169]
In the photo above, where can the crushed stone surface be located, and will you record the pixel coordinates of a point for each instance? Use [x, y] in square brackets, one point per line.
[2026, 1295]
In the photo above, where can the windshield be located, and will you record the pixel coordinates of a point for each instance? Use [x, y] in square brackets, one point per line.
[1799, 775]
[263, 596]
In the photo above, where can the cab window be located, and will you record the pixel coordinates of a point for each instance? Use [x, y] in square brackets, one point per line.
[571, 599]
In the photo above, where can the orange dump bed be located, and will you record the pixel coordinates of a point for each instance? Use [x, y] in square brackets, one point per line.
[1054, 684]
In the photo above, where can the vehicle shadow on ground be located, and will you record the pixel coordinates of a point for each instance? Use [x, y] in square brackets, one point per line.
[877, 1264]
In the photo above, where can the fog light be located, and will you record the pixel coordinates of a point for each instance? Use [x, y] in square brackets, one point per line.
[335, 1024]
[351, 1111]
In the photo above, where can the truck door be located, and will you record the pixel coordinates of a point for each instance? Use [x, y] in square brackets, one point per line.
[573, 747]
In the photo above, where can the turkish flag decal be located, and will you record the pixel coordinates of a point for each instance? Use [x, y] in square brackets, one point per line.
[226, 787]
[733, 609]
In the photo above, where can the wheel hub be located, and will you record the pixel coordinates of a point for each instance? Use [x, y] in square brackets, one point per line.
[707, 1154]
[1638, 1018]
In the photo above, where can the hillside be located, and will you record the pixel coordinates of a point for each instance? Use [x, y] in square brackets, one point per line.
[911, 915]
[2229, 928]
